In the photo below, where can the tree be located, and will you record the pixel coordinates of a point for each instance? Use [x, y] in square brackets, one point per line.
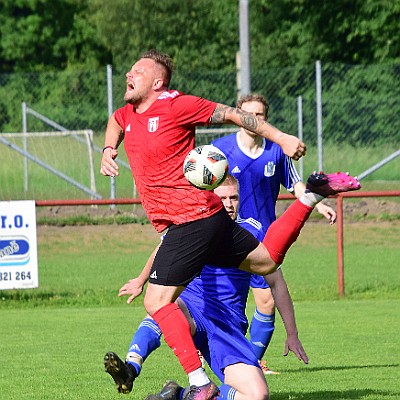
[39, 35]
[198, 34]
[291, 32]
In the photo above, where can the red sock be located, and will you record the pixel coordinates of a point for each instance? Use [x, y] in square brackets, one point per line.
[283, 232]
[176, 331]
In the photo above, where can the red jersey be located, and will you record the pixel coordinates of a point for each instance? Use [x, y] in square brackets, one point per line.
[156, 143]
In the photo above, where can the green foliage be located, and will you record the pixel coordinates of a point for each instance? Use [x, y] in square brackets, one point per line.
[71, 41]
[36, 37]
[74, 99]
[364, 91]
[347, 31]
[198, 34]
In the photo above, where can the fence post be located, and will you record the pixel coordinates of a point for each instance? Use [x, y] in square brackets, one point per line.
[244, 47]
[340, 255]
[25, 130]
[110, 111]
[300, 131]
[319, 114]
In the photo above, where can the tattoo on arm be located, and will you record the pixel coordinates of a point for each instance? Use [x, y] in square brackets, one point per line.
[249, 121]
[218, 116]
[223, 113]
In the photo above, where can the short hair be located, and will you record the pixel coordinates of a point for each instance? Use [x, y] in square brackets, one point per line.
[254, 97]
[230, 180]
[164, 60]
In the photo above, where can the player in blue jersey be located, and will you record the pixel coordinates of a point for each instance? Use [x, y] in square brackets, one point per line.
[214, 305]
[261, 168]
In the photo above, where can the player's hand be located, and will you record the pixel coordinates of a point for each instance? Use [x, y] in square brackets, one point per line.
[292, 146]
[108, 166]
[328, 212]
[134, 288]
[294, 345]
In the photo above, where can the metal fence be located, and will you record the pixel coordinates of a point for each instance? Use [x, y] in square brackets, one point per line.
[356, 117]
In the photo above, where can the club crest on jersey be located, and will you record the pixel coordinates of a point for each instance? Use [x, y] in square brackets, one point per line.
[269, 169]
[152, 125]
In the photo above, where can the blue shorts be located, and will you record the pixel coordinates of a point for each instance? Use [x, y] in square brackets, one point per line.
[258, 282]
[220, 336]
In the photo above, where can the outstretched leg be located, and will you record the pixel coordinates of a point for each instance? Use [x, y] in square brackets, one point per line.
[285, 230]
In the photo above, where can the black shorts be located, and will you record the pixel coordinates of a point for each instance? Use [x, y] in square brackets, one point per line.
[186, 248]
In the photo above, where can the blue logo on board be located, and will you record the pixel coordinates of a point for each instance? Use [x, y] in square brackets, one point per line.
[14, 251]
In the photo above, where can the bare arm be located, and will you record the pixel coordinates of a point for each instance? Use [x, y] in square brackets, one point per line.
[325, 210]
[291, 145]
[284, 304]
[113, 138]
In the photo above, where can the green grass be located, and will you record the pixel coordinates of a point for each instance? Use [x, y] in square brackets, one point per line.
[79, 220]
[53, 338]
[371, 254]
[57, 353]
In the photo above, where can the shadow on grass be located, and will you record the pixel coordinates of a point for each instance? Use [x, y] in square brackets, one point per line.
[340, 368]
[337, 394]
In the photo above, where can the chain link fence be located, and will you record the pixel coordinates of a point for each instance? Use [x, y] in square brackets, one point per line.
[360, 105]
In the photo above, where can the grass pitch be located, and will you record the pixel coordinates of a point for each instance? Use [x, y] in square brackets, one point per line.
[53, 339]
[57, 353]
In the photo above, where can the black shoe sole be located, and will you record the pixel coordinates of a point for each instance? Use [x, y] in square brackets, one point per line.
[118, 370]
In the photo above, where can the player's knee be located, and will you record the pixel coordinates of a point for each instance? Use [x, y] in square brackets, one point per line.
[258, 393]
[259, 262]
[258, 390]
[152, 307]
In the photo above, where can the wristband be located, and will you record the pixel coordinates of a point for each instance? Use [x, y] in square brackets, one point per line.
[107, 147]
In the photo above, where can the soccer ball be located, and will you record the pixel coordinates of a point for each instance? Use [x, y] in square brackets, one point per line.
[205, 167]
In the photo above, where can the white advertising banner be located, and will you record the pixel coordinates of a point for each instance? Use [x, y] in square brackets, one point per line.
[18, 245]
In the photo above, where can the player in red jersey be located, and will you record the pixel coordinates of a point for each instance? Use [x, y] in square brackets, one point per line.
[157, 126]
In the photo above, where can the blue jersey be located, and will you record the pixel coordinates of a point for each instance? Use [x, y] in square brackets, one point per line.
[260, 177]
